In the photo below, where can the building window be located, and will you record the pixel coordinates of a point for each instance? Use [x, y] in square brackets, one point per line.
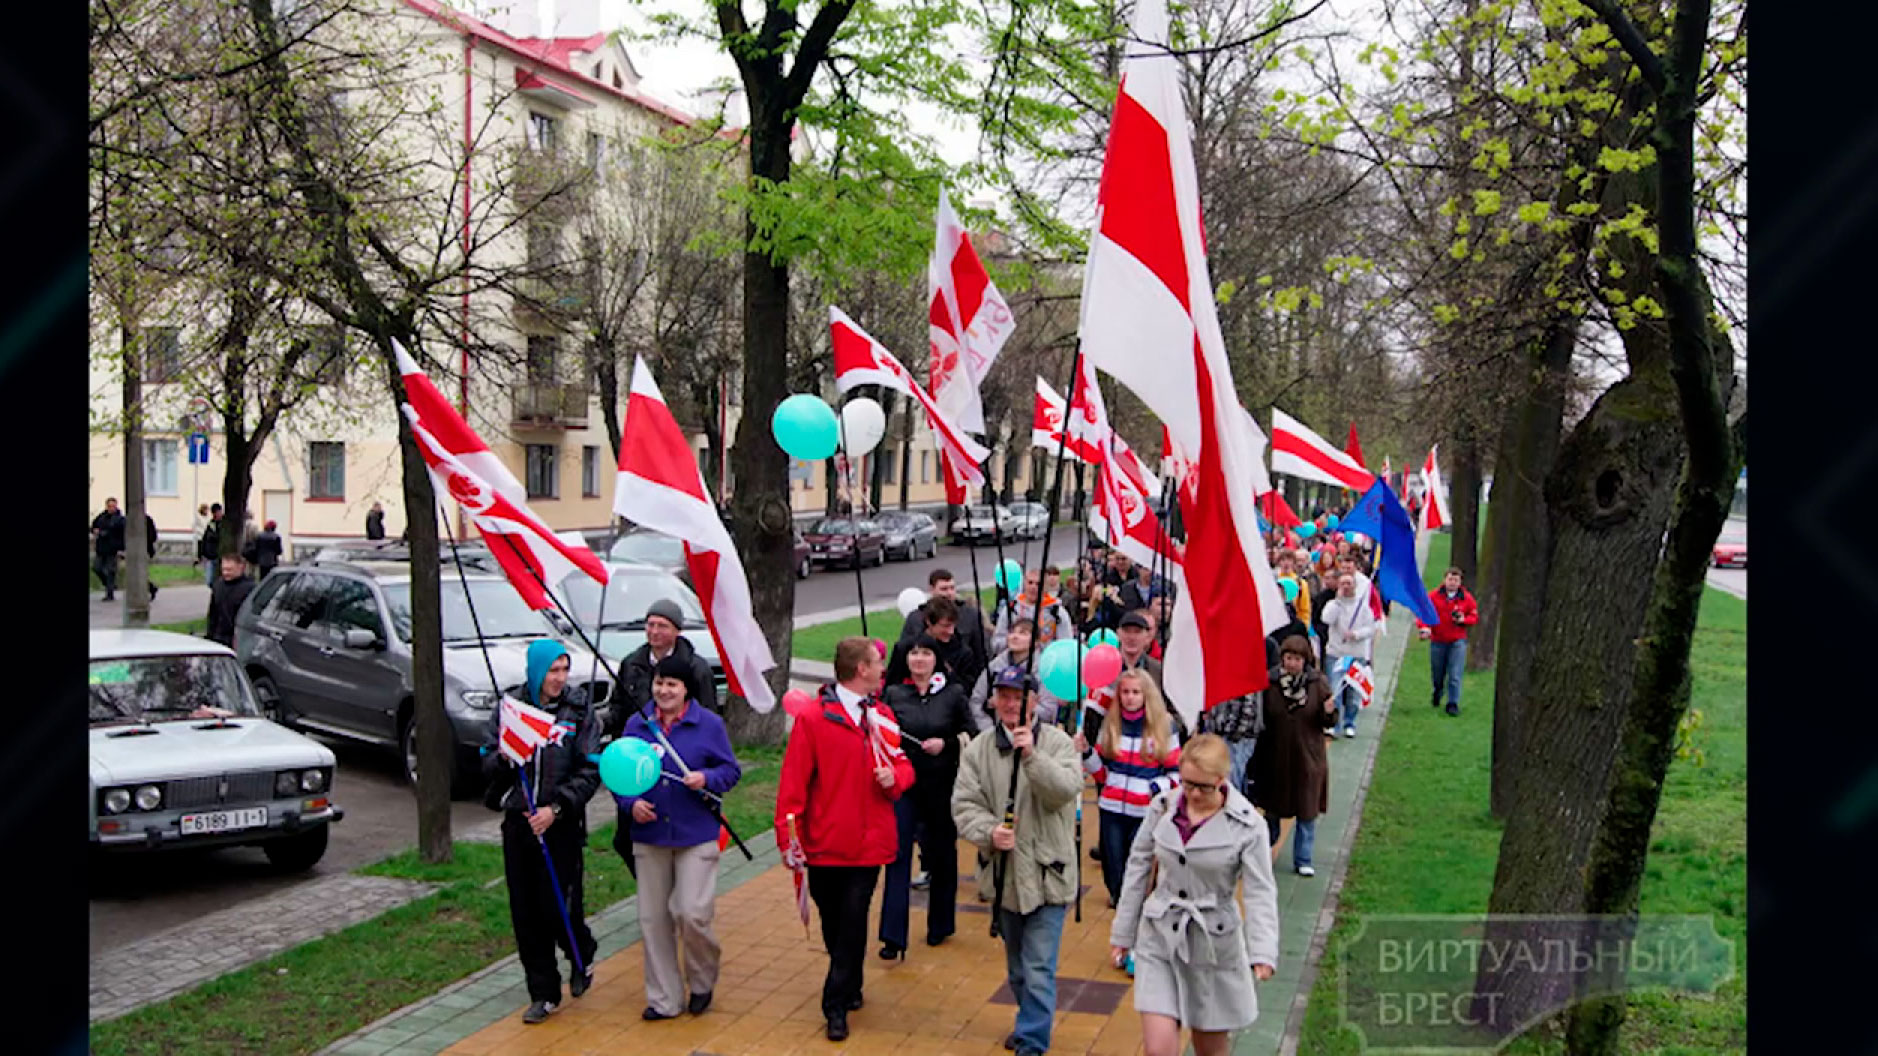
[925, 467]
[544, 471]
[543, 353]
[326, 470]
[542, 133]
[590, 471]
[596, 151]
[159, 467]
[890, 466]
[162, 354]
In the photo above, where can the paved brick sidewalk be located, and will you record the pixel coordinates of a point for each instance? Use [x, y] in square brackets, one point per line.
[172, 961]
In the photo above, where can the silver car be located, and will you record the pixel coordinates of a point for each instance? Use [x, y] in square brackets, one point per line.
[1030, 520]
[621, 628]
[909, 534]
[980, 524]
[328, 647]
[181, 757]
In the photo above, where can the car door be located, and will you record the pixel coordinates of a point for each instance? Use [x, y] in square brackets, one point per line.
[291, 622]
[364, 683]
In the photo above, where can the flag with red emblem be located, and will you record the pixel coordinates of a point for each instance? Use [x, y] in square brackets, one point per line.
[861, 360]
[968, 321]
[1149, 321]
[461, 466]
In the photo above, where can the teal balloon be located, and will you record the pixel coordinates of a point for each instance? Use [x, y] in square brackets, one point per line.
[1104, 636]
[1290, 587]
[1333, 521]
[806, 427]
[1306, 530]
[629, 767]
[1060, 668]
[1009, 575]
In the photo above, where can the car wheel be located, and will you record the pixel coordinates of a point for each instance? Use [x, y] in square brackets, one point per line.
[932, 548]
[267, 694]
[802, 569]
[463, 777]
[880, 556]
[299, 852]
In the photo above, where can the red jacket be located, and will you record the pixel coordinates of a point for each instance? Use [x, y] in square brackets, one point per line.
[842, 814]
[1447, 630]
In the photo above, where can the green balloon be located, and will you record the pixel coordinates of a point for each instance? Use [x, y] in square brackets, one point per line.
[806, 428]
[1104, 636]
[1009, 575]
[629, 767]
[1060, 669]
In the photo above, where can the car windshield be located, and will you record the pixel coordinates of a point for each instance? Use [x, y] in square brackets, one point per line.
[500, 612]
[1733, 539]
[650, 548]
[832, 526]
[895, 520]
[166, 688]
[629, 593]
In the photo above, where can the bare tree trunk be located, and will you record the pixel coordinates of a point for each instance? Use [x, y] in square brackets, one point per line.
[1464, 497]
[1487, 584]
[135, 581]
[606, 387]
[906, 451]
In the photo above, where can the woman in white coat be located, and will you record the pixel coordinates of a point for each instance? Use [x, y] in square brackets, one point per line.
[1196, 953]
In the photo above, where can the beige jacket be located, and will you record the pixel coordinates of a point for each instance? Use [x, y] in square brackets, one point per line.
[1042, 868]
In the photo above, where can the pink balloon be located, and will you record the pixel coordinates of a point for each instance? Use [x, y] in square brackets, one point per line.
[798, 702]
[882, 646]
[1101, 665]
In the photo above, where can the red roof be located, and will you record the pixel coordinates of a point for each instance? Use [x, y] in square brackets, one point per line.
[550, 55]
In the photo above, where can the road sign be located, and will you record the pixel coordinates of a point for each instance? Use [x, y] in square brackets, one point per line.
[198, 449]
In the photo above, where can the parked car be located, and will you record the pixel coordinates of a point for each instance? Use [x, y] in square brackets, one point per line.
[656, 549]
[979, 524]
[843, 541]
[1731, 551]
[475, 557]
[621, 627]
[804, 562]
[909, 534]
[1030, 520]
[181, 756]
[328, 648]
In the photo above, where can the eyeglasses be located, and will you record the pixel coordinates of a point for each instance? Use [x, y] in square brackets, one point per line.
[1201, 786]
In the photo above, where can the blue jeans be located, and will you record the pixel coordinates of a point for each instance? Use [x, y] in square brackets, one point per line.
[1303, 838]
[1031, 941]
[1352, 703]
[1242, 763]
[1446, 661]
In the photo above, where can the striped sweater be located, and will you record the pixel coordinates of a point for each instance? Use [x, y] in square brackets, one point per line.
[1130, 778]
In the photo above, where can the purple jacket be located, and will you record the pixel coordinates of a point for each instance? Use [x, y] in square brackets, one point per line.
[701, 739]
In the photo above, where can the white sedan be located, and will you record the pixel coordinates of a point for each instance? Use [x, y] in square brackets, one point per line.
[181, 757]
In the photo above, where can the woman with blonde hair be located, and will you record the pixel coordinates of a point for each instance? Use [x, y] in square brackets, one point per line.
[1196, 953]
[1135, 757]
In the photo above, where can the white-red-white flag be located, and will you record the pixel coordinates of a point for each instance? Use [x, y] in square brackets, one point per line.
[1299, 452]
[1046, 427]
[861, 360]
[461, 466]
[1149, 321]
[524, 728]
[1434, 495]
[1356, 675]
[968, 321]
[1122, 516]
[660, 487]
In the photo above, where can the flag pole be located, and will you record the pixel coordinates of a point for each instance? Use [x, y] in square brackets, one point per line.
[599, 619]
[528, 795]
[997, 539]
[854, 518]
[712, 801]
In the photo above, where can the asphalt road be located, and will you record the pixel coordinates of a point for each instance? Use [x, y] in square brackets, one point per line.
[134, 897]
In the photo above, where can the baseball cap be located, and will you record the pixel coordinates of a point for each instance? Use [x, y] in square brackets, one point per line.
[1135, 619]
[1014, 677]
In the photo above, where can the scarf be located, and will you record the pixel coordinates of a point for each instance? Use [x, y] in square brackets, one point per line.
[1292, 688]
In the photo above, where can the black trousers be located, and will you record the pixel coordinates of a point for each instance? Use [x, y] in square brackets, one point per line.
[842, 894]
[925, 820]
[532, 910]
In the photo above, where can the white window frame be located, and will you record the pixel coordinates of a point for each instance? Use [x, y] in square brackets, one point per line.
[159, 455]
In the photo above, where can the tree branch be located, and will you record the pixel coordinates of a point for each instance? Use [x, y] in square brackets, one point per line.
[1632, 40]
[811, 51]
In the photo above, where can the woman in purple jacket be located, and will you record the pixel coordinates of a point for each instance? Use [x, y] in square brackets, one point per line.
[676, 842]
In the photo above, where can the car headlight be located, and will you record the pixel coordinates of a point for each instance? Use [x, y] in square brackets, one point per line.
[481, 699]
[312, 780]
[149, 797]
[287, 782]
[116, 800]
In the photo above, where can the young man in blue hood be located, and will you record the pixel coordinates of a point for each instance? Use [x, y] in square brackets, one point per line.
[561, 778]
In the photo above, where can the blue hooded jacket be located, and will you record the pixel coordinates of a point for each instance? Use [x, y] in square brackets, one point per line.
[542, 653]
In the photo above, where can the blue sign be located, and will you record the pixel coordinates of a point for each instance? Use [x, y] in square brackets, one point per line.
[198, 449]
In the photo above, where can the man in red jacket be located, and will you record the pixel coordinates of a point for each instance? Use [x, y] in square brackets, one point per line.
[841, 773]
[1447, 641]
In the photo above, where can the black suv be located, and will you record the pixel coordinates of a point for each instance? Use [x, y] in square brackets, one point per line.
[328, 648]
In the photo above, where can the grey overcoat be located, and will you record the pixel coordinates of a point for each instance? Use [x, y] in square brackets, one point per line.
[1194, 949]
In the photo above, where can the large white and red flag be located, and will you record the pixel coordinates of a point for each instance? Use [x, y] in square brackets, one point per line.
[1046, 427]
[861, 360]
[659, 487]
[1122, 516]
[461, 466]
[1434, 495]
[1149, 322]
[1299, 452]
[968, 321]
[524, 728]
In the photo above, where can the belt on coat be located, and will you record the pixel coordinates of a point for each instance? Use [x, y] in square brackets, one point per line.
[1181, 914]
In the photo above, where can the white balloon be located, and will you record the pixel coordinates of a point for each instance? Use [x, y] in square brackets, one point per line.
[911, 598]
[863, 423]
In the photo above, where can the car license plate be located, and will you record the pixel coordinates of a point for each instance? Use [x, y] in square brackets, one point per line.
[223, 821]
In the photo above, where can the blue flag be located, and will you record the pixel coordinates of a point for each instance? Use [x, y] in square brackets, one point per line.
[1378, 515]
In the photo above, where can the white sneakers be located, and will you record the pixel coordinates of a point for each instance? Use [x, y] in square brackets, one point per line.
[1305, 870]
[1349, 731]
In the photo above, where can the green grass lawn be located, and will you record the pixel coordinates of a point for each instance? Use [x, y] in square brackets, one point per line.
[303, 999]
[1428, 845]
[162, 575]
